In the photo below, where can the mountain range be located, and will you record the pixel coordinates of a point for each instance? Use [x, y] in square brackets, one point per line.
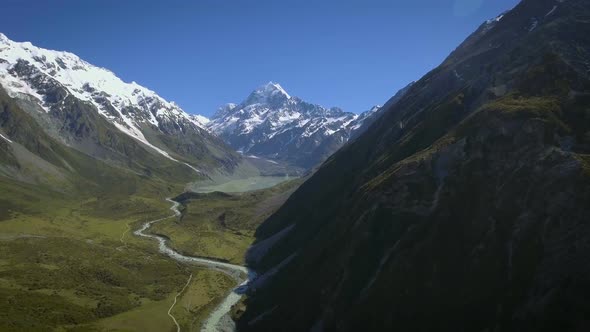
[465, 207]
[54, 87]
[461, 204]
[77, 108]
[272, 124]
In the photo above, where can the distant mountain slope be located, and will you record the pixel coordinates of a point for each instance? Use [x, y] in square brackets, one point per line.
[92, 110]
[30, 156]
[464, 208]
[272, 124]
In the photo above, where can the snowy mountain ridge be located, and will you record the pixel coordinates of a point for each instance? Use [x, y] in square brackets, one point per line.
[269, 123]
[49, 76]
[272, 123]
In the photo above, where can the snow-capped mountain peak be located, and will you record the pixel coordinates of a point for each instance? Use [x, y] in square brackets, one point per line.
[274, 88]
[272, 124]
[50, 76]
[269, 93]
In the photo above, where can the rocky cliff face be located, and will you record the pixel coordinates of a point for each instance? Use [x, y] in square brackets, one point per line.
[463, 208]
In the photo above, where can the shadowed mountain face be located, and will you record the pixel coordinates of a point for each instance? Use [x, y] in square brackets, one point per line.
[272, 124]
[464, 208]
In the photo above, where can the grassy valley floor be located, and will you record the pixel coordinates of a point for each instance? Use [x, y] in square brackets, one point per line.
[73, 263]
[243, 185]
[221, 225]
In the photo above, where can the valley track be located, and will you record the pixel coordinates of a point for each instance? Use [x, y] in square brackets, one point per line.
[219, 319]
[122, 239]
[176, 299]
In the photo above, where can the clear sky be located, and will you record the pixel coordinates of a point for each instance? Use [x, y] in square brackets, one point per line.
[204, 53]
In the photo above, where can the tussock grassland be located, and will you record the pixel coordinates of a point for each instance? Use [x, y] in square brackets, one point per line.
[63, 264]
[70, 262]
[222, 225]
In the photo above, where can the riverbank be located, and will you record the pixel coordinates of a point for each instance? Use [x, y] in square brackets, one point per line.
[218, 319]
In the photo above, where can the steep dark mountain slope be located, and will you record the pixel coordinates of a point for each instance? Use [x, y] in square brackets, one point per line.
[369, 117]
[464, 208]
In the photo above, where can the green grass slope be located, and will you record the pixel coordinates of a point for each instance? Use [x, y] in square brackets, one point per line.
[69, 260]
[221, 225]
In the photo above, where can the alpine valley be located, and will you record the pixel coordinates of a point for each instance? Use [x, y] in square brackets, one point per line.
[461, 204]
[77, 108]
[87, 159]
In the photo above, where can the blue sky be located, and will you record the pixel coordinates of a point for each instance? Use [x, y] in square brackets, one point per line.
[352, 54]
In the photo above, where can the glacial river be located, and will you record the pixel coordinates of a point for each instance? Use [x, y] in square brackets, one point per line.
[219, 319]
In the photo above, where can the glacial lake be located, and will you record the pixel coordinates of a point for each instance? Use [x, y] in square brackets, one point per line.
[243, 185]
